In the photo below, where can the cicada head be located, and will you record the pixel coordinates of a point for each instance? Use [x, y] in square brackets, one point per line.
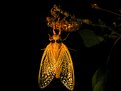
[56, 37]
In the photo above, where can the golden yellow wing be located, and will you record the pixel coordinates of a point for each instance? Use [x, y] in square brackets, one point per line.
[67, 70]
[46, 73]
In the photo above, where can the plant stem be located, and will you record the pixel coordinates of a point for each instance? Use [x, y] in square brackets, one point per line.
[108, 58]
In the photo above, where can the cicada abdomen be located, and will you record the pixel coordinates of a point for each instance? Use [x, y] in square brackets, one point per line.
[56, 62]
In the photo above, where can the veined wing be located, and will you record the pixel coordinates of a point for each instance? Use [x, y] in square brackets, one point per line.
[67, 70]
[46, 73]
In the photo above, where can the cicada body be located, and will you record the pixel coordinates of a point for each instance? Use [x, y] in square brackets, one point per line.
[56, 62]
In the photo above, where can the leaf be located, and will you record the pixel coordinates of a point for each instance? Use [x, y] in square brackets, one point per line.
[120, 10]
[98, 80]
[90, 38]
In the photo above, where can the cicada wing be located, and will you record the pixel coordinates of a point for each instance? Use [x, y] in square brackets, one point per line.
[67, 70]
[46, 73]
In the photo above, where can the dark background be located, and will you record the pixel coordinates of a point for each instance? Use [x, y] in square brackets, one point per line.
[86, 60]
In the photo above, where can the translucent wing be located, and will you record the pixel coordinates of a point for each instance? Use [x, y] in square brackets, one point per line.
[67, 71]
[46, 73]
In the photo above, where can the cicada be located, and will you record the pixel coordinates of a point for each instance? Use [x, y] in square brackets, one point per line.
[57, 63]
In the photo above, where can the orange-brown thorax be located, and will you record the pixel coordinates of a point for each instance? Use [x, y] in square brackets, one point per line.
[56, 48]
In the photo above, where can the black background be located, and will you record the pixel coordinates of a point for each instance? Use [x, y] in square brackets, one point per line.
[27, 19]
[85, 60]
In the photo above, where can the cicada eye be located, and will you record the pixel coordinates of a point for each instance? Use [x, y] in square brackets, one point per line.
[52, 41]
[59, 41]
